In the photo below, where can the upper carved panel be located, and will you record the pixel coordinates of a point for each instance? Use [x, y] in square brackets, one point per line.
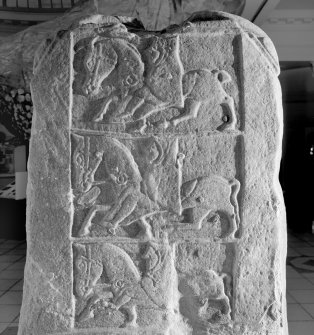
[144, 84]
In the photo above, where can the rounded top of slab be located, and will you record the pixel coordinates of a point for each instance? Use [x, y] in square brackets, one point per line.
[253, 32]
[256, 35]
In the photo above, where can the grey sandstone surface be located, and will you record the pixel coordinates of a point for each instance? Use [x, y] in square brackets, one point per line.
[154, 205]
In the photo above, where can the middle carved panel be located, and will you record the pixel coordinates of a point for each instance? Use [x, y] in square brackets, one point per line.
[146, 187]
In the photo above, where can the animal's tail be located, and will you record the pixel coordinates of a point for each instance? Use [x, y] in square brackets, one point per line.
[235, 188]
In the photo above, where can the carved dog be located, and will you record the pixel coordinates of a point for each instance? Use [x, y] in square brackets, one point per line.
[205, 297]
[203, 196]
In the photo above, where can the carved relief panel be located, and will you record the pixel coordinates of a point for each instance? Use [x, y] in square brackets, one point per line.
[124, 186]
[145, 187]
[153, 182]
[159, 90]
[155, 178]
[123, 286]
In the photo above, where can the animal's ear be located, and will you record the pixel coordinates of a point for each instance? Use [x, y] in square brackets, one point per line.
[79, 251]
[94, 40]
[222, 76]
[188, 187]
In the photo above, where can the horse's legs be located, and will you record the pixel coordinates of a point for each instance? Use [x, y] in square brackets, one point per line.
[87, 312]
[146, 228]
[122, 211]
[226, 309]
[121, 301]
[103, 110]
[144, 110]
[131, 315]
[129, 106]
[87, 223]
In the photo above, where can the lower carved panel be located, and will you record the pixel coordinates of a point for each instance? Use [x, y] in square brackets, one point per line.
[123, 285]
[150, 287]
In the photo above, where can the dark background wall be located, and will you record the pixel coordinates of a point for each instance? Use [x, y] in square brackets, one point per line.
[297, 166]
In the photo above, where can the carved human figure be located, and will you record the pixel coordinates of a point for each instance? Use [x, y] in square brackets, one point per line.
[206, 196]
[151, 154]
[163, 84]
[125, 288]
[157, 162]
[167, 85]
[157, 276]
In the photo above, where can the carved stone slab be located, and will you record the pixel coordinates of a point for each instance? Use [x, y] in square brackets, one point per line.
[154, 205]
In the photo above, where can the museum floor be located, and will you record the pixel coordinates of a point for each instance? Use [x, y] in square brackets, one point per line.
[300, 284]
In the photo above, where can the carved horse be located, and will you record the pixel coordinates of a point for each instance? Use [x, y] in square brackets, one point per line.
[125, 203]
[125, 287]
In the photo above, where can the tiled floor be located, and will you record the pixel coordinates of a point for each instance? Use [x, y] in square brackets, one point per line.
[300, 284]
[12, 261]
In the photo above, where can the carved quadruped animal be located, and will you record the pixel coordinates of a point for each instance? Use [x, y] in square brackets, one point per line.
[199, 87]
[122, 274]
[122, 175]
[123, 178]
[162, 85]
[207, 195]
[214, 289]
[205, 297]
[124, 287]
[106, 58]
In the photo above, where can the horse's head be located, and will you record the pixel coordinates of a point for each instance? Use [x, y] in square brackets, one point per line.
[87, 270]
[100, 60]
[120, 166]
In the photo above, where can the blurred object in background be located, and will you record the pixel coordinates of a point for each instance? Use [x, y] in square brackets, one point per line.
[16, 110]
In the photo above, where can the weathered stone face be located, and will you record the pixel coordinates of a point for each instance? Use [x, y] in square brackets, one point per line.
[153, 200]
